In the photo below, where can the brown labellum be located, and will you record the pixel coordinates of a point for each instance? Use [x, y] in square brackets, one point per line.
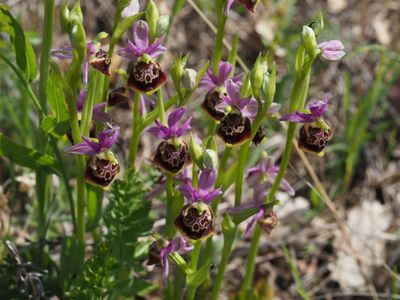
[268, 222]
[313, 139]
[154, 254]
[212, 99]
[234, 129]
[249, 4]
[146, 77]
[260, 135]
[102, 169]
[171, 157]
[118, 96]
[101, 62]
[195, 221]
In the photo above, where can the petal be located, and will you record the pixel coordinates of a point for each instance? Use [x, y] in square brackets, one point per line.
[274, 108]
[212, 195]
[130, 10]
[207, 179]
[185, 127]
[209, 81]
[228, 7]
[238, 78]
[81, 148]
[298, 117]
[175, 117]
[332, 55]
[254, 219]
[81, 100]
[333, 45]
[250, 109]
[130, 52]
[156, 49]
[259, 194]
[141, 34]
[233, 91]
[224, 69]
[188, 191]
[286, 187]
[108, 137]
[318, 108]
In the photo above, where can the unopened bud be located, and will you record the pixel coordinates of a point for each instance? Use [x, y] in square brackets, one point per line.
[162, 25]
[196, 151]
[177, 70]
[189, 79]
[210, 159]
[152, 17]
[309, 41]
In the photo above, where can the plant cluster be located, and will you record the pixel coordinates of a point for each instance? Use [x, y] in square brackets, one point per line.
[197, 169]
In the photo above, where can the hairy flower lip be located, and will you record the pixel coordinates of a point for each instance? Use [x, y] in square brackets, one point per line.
[234, 129]
[101, 171]
[313, 138]
[202, 224]
[170, 159]
[142, 83]
[260, 135]
[119, 96]
[101, 61]
[211, 100]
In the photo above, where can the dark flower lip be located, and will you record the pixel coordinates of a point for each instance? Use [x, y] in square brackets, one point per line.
[118, 96]
[212, 99]
[101, 62]
[193, 224]
[146, 77]
[260, 135]
[313, 138]
[172, 158]
[234, 129]
[249, 4]
[154, 254]
[101, 170]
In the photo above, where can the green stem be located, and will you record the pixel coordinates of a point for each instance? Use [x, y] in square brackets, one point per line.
[226, 251]
[135, 131]
[169, 226]
[252, 254]
[220, 34]
[161, 108]
[194, 258]
[244, 150]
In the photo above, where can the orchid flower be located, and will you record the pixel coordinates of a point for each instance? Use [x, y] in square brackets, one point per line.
[210, 81]
[265, 173]
[141, 44]
[316, 111]
[205, 193]
[260, 192]
[332, 50]
[106, 140]
[179, 245]
[173, 129]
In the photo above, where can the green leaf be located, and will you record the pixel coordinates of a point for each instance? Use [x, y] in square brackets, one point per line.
[197, 278]
[94, 207]
[26, 157]
[55, 95]
[25, 56]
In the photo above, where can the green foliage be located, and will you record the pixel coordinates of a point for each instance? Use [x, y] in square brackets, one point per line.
[25, 56]
[116, 264]
[29, 158]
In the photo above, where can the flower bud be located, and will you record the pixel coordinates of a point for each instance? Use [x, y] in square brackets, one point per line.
[195, 150]
[234, 129]
[152, 17]
[101, 61]
[318, 24]
[177, 70]
[210, 159]
[102, 169]
[64, 17]
[146, 76]
[189, 79]
[171, 157]
[309, 41]
[332, 50]
[313, 139]
[162, 25]
[195, 221]
[257, 74]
